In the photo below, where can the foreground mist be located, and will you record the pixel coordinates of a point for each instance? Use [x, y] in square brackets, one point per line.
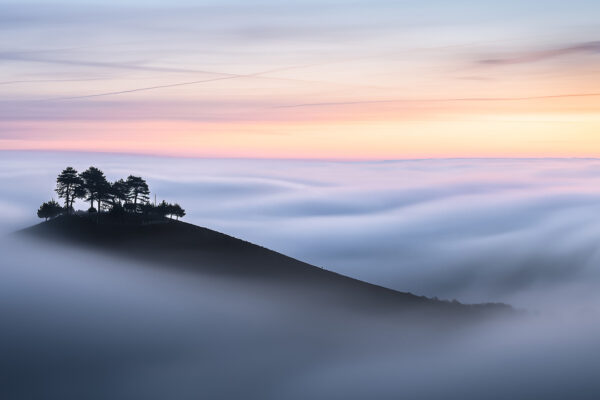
[79, 324]
[83, 325]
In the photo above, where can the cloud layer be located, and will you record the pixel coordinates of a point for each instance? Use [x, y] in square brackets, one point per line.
[78, 324]
[476, 230]
[523, 231]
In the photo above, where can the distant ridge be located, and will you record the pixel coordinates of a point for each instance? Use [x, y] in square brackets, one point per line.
[175, 244]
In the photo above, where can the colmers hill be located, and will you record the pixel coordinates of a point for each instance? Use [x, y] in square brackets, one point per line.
[185, 247]
[121, 221]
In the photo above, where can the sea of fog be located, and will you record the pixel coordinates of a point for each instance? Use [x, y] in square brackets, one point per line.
[83, 325]
[475, 230]
[76, 324]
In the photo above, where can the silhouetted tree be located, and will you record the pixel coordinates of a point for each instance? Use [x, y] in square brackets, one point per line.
[95, 185]
[178, 211]
[68, 186]
[119, 193]
[49, 209]
[149, 211]
[163, 209]
[138, 191]
[120, 198]
[80, 192]
[168, 208]
[105, 196]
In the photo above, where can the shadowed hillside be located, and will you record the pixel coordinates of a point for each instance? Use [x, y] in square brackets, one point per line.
[175, 244]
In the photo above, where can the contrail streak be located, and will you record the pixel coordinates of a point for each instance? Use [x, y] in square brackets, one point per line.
[49, 81]
[195, 82]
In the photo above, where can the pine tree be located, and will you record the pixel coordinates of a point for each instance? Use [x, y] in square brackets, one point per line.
[95, 185]
[119, 192]
[68, 186]
[138, 191]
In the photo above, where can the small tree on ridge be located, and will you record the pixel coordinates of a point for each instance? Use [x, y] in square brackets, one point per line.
[96, 186]
[68, 186]
[49, 209]
[138, 191]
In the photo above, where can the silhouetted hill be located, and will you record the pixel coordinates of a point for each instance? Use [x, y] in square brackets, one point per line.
[175, 244]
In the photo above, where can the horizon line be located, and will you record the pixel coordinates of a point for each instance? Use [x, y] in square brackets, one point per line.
[307, 159]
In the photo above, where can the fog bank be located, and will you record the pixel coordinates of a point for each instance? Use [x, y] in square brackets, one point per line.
[475, 230]
[79, 324]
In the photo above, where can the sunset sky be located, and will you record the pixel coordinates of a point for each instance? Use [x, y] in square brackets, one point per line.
[302, 79]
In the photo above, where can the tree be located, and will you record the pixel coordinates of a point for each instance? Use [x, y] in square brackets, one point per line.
[178, 211]
[148, 211]
[119, 192]
[119, 198]
[138, 191]
[95, 186]
[49, 209]
[68, 186]
[163, 209]
[104, 195]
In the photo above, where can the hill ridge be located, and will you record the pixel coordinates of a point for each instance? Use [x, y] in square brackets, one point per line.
[180, 244]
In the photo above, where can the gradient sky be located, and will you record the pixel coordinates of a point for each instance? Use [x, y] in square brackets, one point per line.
[302, 79]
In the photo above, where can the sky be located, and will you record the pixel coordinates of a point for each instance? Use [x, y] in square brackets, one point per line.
[302, 79]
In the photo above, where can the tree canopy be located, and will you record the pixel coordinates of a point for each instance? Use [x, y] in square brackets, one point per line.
[95, 186]
[138, 190]
[119, 192]
[49, 209]
[123, 198]
[69, 186]
[171, 210]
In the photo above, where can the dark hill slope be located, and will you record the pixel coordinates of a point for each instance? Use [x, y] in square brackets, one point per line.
[176, 244]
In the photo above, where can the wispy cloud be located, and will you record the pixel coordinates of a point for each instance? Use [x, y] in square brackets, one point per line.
[32, 58]
[16, 82]
[375, 62]
[535, 56]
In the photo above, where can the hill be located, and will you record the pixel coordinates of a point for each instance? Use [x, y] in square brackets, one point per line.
[175, 244]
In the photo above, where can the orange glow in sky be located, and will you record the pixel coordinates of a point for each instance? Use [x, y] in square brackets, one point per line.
[440, 83]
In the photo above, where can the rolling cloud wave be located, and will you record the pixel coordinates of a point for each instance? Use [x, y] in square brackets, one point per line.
[476, 230]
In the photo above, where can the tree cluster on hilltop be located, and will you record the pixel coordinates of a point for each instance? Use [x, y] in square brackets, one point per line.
[124, 197]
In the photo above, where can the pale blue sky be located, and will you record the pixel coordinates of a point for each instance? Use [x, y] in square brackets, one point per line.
[229, 62]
